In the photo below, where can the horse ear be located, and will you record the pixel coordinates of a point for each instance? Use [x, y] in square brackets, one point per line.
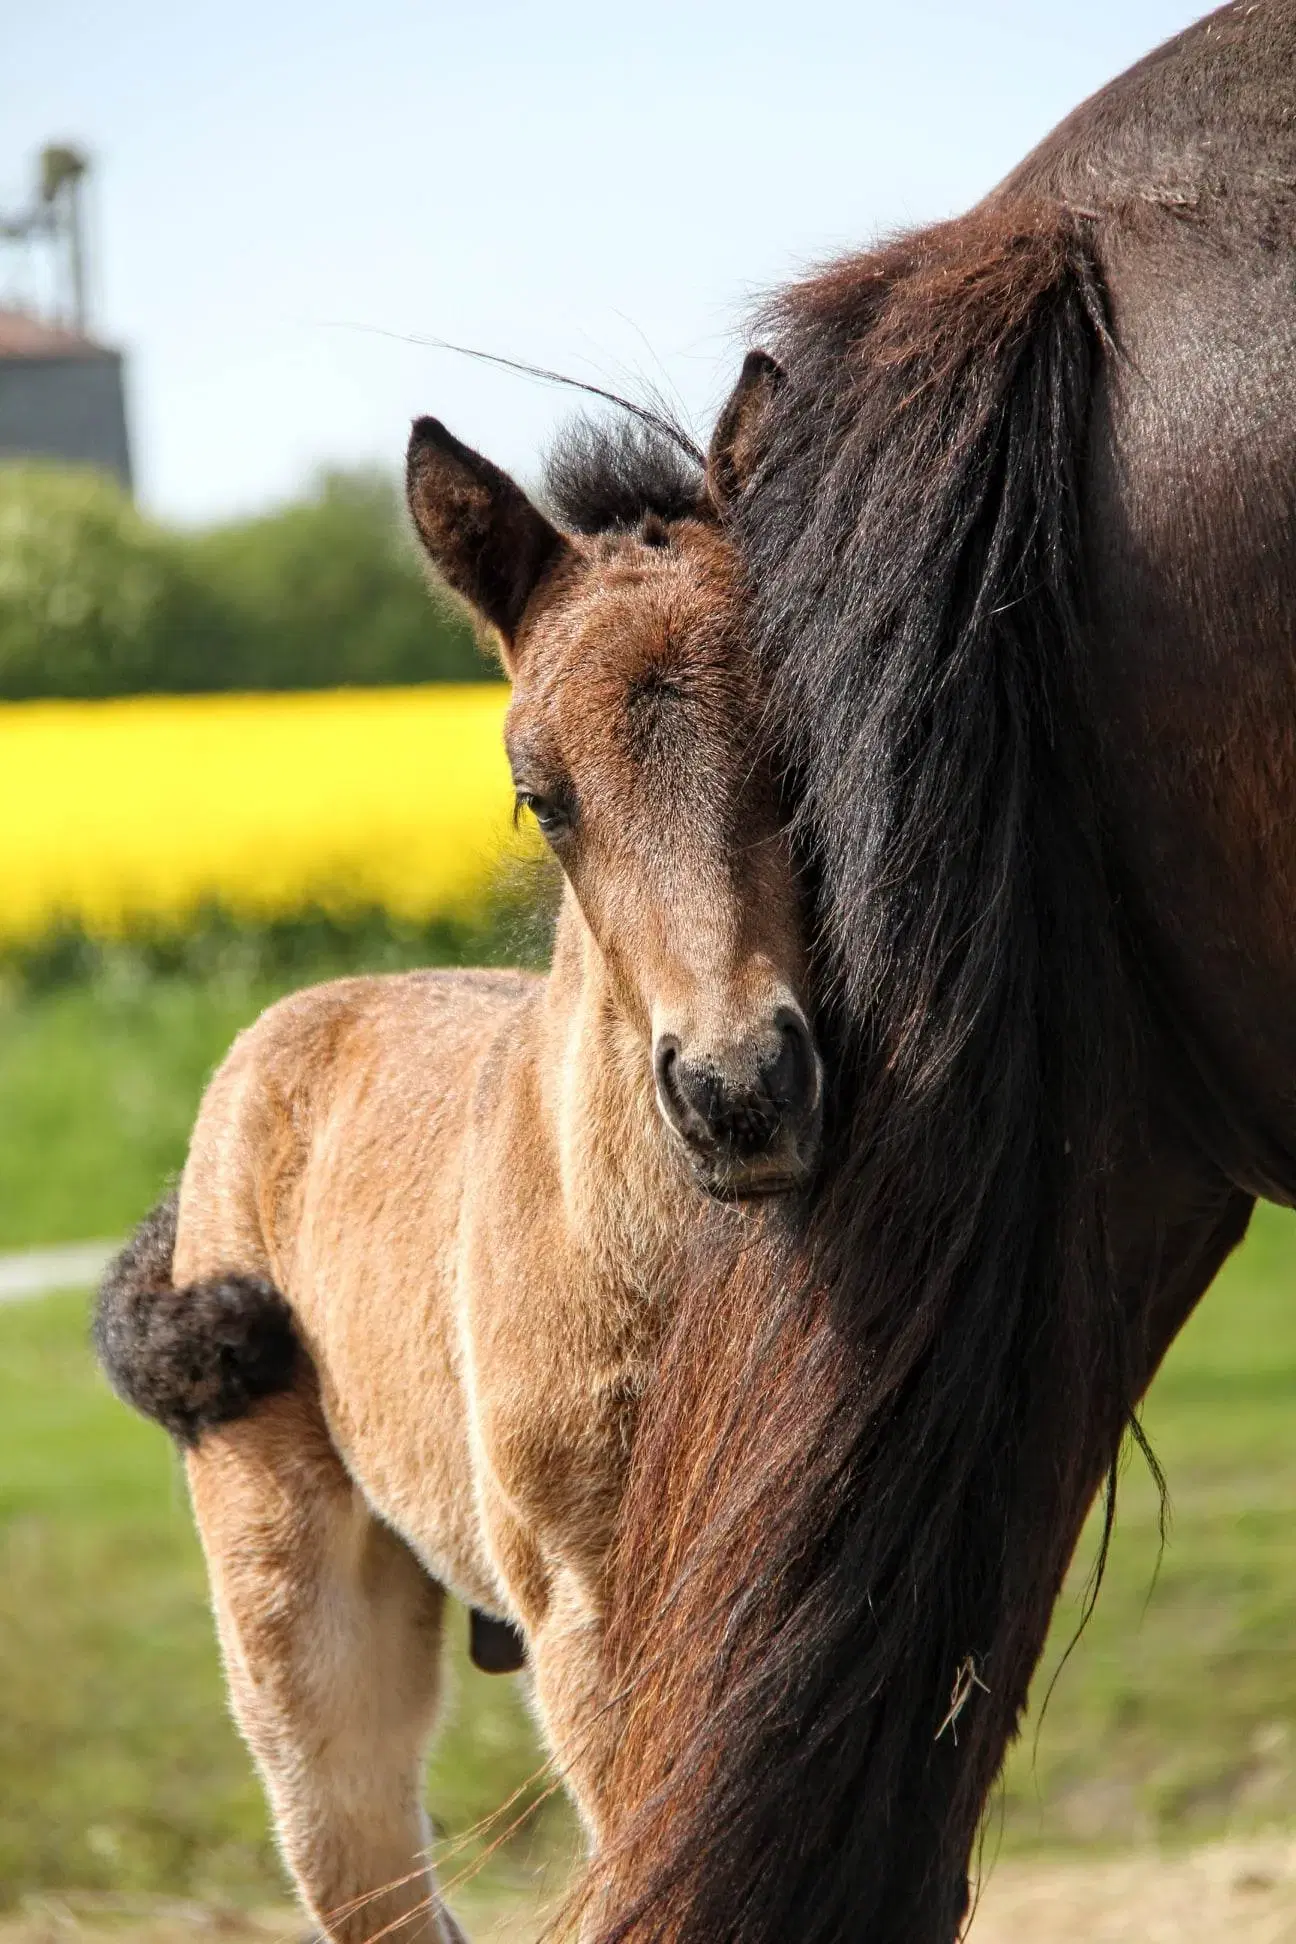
[736, 442]
[478, 527]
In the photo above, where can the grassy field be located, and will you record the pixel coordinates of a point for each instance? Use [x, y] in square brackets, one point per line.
[98, 1085]
[1174, 1719]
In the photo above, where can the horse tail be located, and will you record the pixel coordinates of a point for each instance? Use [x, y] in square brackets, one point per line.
[191, 1358]
[865, 1459]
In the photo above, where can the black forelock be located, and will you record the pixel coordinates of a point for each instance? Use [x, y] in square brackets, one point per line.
[605, 474]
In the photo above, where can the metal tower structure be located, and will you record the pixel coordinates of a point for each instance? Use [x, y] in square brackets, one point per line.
[55, 219]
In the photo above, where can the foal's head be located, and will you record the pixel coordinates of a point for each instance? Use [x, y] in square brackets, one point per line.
[635, 740]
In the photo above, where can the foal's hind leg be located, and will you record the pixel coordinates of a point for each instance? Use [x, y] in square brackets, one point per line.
[331, 1635]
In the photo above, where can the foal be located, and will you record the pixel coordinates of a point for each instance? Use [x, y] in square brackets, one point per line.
[430, 1225]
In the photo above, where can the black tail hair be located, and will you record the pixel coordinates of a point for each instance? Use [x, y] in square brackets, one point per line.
[192, 1358]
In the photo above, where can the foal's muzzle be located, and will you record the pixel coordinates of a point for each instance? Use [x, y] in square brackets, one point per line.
[748, 1114]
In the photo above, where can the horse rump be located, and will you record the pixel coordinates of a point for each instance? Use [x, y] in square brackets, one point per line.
[192, 1358]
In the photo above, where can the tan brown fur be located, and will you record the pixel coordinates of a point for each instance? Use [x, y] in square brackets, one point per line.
[465, 1188]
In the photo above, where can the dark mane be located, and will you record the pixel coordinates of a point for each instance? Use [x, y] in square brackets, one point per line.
[847, 1518]
[607, 474]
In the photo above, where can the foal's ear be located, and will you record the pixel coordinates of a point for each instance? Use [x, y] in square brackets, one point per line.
[736, 442]
[480, 530]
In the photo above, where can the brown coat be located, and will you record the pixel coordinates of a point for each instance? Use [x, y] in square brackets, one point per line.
[466, 1198]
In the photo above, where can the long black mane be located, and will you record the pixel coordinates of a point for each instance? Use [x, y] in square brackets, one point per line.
[936, 691]
[1004, 629]
[876, 1399]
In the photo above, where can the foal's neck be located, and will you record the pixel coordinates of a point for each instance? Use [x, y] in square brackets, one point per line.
[626, 1195]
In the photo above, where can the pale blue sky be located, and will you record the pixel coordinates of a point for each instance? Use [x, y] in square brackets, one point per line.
[599, 187]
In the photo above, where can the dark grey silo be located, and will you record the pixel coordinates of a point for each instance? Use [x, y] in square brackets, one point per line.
[62, 396]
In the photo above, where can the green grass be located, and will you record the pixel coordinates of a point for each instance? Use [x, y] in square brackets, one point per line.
[98, 1086]
[1174, 1718]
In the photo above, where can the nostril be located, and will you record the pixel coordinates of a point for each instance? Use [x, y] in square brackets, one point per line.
[665, 1061]
[670, 1091]
[688, 1097]
[792, 1080]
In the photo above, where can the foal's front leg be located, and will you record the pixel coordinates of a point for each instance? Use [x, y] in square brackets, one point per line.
[559, 1608]
[331, 1636]
[565, 1651]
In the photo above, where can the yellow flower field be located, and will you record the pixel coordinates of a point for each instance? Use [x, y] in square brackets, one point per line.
[119, 814]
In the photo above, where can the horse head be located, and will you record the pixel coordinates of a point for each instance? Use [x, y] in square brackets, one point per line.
[636, 740]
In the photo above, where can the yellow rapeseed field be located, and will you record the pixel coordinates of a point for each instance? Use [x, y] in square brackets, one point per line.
[115, 815]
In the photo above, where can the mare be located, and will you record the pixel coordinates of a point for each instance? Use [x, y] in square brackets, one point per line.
[431, 1226]
[1016, 509]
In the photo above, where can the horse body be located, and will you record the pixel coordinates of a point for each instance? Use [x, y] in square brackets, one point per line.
[479, 1300]
[431, 1226]
[363, 1229]
[1018, 528]
[1189, 163]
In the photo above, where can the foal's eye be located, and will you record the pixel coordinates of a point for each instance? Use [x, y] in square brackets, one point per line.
[551, 816]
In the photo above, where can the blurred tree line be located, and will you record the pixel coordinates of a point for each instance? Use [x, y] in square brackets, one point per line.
[98, 600]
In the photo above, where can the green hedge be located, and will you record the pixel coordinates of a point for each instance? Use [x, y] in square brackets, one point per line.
[97, 600]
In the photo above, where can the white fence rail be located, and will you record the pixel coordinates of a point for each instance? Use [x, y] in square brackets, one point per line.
[37, 1272]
